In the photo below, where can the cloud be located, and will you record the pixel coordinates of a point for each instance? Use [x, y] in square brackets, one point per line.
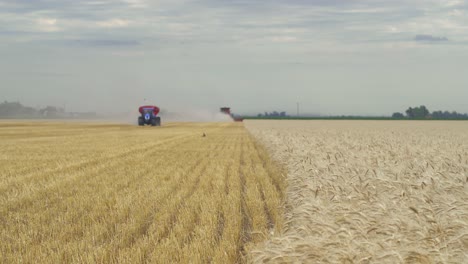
[168, 22]
[136, 3]
[113, 23]
[452, 3]
[429, 38]
[106, 42]
[47, 24]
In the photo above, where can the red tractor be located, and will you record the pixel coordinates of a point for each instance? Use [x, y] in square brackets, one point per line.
[149, 116]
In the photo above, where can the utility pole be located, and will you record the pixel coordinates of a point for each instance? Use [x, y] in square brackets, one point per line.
[298, 109]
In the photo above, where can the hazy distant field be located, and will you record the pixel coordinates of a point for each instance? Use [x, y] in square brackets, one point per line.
[125, 194]
[370, 191]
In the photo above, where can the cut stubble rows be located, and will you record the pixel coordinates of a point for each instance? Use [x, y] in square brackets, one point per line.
[102, 193]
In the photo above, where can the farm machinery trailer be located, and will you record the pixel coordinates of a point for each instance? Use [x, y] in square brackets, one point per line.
[149, 116]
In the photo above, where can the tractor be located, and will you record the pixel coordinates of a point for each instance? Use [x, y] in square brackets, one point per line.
[149, 116]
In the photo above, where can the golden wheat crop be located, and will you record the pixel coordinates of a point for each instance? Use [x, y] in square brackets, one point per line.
[101, 193]
[370, 191]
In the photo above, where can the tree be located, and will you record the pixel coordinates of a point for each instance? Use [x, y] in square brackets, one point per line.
[15, 109]
[437, 114]
[424, 112]
[409, 113]
[398, 115]
[420, 112]
[448, 115]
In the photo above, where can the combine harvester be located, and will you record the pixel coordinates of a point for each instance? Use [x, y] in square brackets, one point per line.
[227, 111]
[149, 116]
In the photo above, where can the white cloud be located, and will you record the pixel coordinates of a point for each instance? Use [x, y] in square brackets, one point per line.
[47, 24]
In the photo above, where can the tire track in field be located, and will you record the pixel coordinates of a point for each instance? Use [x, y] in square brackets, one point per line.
[11, 188]
[172, 219]
[246, 223]
[183, 201]
[184, 239]
[121, 183]
[70, 131]
[275, 181]
[146, 170]
[110, 233]
[99, 167]
[88, 138]
[88, 141]
[190, 239]
[218, 152]
[271, 222]
[131, 150]
[143, 230]
[220, 227]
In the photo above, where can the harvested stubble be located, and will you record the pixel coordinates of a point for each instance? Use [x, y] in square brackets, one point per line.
[370, 191]
[97, 193]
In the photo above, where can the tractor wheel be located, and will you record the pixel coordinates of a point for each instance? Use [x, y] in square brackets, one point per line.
[141, 122]
[154, 122]
[158, 121]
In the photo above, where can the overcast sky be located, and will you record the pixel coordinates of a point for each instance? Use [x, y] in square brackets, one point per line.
[332, 56]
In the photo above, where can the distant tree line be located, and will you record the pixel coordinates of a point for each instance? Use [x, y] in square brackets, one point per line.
[273, 114]
[17, 110]
[421, 112]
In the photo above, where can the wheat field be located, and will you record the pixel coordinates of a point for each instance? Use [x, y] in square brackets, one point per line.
[103, 193]
[369, 191]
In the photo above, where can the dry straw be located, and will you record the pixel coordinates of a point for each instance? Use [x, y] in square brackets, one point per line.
[96, 193]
